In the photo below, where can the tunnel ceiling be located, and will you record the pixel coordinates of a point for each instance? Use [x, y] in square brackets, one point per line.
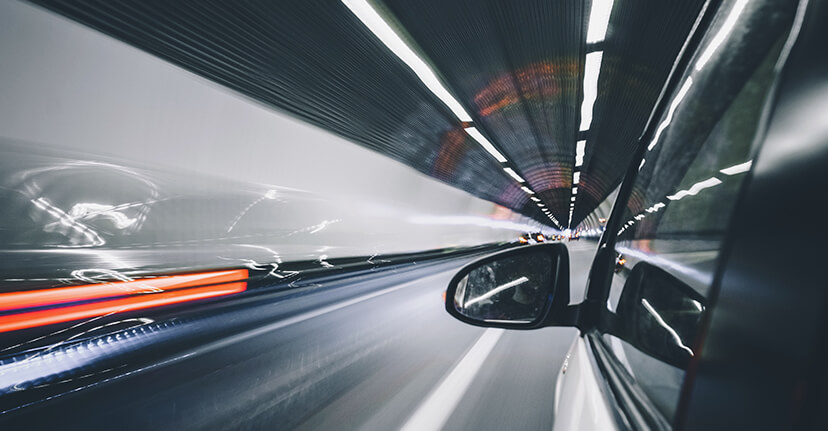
[517, 68]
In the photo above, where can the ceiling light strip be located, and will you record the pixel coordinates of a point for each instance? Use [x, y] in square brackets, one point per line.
[592, 68]
[514, 175]
[474, 133]
[599, 16]
[365, 13]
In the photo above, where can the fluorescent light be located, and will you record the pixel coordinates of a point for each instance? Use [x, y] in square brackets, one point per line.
[527, 190]
[737, 169]
[642, 164]
[576, 178]
[573, 199]
[392, 41]
[592, 69]
[598, 20]
[574, 190]
[535, 199]
[474, 133]
[514, 175]
[727, 27]
[696, 188]
[682, 92]
[580, 149]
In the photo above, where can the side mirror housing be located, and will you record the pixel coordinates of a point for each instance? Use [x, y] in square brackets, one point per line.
[520, 288]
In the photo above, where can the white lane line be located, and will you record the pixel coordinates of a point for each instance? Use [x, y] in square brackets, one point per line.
[436, 409]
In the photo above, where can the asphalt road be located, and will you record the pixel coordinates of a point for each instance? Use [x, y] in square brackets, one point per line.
[373, 354]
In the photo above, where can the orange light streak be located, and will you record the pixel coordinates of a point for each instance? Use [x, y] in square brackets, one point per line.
[33, 319]
[46, 297]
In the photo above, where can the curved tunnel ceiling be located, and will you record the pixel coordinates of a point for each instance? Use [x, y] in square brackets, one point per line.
[517, 67]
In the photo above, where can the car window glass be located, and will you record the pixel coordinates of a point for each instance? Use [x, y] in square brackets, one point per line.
[685, 192]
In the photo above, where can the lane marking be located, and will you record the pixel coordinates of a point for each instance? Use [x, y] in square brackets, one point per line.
[437, 408]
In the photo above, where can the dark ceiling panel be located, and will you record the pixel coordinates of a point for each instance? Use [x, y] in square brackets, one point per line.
[517, 68]
[643, 40]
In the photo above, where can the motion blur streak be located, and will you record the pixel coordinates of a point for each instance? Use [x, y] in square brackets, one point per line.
[46, 297]
[33, 319]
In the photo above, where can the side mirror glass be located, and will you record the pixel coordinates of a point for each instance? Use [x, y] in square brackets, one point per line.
[659, 314]
[512, 289]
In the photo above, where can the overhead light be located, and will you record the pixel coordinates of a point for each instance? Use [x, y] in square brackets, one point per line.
[592, 69]
[574, 190]
[737, 169]
[727, 27]
[534, 198]
[363, 10]
[682, 92]
[599, 20]
[696, 188]
[573, 198]
[580, 149]
[576, 178]
[514, 175]
[474, 133]
[642, 164]
[541, 205]
[527, 190]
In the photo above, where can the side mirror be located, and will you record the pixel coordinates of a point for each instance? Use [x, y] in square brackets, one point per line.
[517, 288]
[659, 314]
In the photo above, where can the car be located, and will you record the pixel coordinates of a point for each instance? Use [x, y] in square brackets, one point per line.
[711, 324]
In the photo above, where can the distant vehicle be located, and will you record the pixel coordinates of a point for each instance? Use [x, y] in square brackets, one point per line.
[620, 262]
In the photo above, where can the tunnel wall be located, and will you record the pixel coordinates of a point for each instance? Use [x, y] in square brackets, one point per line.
[115, 160]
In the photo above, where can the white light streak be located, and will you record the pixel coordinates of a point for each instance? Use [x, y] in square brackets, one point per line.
[727, 27]
[573, 199]
[696, 188]
[534, 199]
[86, 211]
[682, 92]
[514, 175]
[664, 325]
[471, 221]
[392, 41]
[527, 190]
[580, 149]
[574, 190]
[496, 290]
[737, 169]
[592, 68]
[655, 207]
[599, 20]
[576, 178]
[474, 133]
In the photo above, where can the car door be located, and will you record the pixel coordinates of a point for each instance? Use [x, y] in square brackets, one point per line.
[672, 216]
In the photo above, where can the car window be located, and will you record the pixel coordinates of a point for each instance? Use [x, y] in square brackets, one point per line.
[684, 195]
